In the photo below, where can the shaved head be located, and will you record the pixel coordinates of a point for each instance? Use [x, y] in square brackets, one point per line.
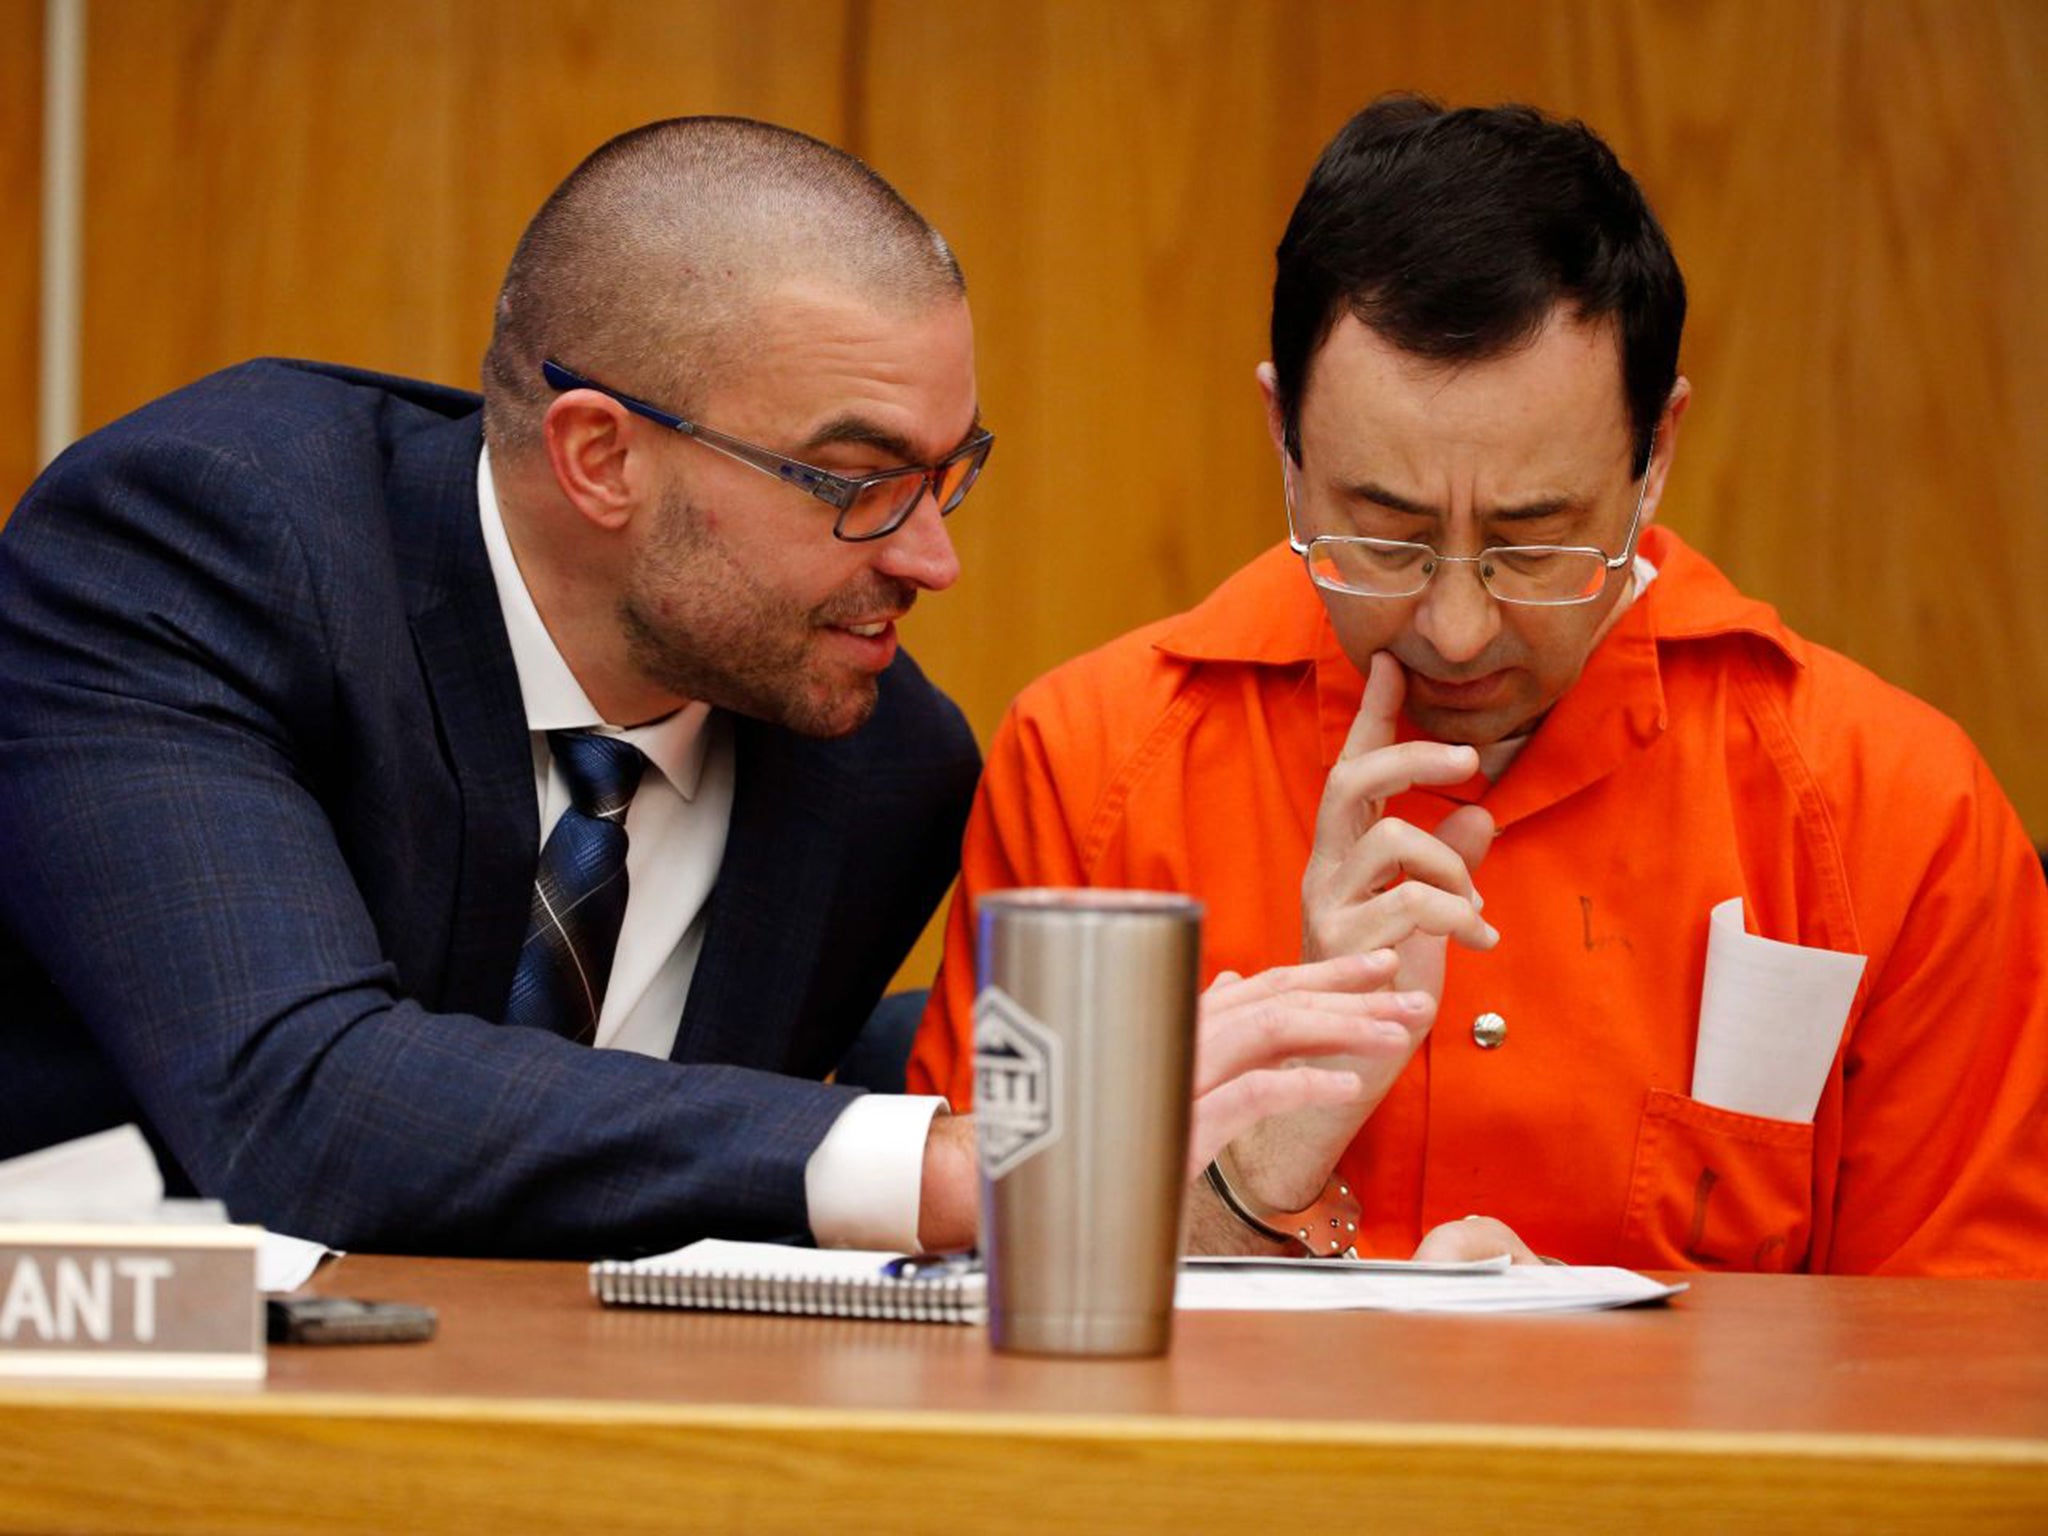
[643, 267]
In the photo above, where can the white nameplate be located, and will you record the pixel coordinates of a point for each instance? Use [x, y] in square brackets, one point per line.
[143, 1299]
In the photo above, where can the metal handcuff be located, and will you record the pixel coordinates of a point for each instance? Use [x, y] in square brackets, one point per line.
[1326, 1228]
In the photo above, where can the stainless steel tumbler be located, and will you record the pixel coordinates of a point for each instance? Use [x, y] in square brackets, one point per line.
[1084, 1036]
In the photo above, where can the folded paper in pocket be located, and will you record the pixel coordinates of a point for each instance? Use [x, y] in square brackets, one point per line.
[1771, 1018]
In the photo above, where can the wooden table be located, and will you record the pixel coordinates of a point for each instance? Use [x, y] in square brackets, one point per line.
[1751, 1403]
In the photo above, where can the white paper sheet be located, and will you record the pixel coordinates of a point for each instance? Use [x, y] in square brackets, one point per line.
[1200, 1261]
[108, 1176]
[286, 1263]
[1771, 1018]
[770, 1261]
[1311, 1286]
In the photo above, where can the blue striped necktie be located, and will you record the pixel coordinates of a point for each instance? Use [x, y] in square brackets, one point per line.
[579, 890]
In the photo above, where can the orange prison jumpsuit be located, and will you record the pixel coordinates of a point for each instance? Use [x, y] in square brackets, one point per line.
[1705, 752]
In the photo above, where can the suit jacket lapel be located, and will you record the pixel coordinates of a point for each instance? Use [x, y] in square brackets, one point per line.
[466, 660]
[767, 914]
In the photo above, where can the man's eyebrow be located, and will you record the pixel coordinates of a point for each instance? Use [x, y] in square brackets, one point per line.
[1526, 512]
[858, 431]
[1534, 511]
[1380, 496]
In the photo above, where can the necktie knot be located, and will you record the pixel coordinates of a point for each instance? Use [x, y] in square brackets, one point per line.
[601, 771]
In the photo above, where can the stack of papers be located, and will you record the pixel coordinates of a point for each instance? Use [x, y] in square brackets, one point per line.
[1392, 1285]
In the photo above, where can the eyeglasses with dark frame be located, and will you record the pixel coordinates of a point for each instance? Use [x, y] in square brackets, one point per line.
[1533, 575]
[869, 506]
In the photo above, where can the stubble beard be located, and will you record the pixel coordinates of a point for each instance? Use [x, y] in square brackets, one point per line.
[701, 625]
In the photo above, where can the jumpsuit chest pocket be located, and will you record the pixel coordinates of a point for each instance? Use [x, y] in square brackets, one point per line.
[1714, 1189]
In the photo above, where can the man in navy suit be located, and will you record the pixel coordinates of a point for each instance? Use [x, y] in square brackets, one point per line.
[288, 662]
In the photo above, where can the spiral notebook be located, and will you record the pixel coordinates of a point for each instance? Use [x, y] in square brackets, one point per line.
[807, 1282]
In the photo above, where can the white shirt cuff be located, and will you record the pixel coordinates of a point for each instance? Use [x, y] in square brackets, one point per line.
[864, 1182]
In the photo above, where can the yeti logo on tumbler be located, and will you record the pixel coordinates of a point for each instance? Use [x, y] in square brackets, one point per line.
[1016, 1063]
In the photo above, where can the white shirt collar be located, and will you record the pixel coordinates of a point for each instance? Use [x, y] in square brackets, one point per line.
[554, 700]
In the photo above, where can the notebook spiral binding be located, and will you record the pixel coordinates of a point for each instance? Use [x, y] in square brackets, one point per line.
[950, 1299]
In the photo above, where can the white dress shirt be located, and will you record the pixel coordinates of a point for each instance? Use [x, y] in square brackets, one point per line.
[863, 1181]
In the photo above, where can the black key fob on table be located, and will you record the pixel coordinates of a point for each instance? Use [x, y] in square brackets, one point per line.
[344, 1320]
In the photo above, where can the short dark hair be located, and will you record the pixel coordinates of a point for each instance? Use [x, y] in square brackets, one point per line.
[644, 260]
[1454, 234]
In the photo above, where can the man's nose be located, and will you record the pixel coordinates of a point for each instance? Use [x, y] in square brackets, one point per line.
[1456, 614]
[921, 551]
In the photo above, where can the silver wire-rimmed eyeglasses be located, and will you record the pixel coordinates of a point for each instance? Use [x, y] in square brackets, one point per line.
[1538, 575]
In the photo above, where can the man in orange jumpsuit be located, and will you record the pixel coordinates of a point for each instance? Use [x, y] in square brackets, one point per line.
[1480, 701]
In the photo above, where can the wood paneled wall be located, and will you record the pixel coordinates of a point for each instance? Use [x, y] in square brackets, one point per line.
[21, 138]
[347, 181]
[1858, 190]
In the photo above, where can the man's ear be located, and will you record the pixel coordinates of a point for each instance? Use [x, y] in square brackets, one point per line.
[589, 440]
[1675, 406]
[1269, 393]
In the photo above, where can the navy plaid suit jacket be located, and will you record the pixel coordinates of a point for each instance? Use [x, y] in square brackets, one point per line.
[267, 837]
